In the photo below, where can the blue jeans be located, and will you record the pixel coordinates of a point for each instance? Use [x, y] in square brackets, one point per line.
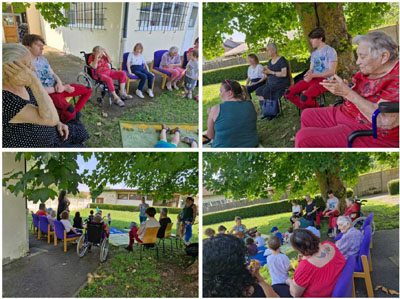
[188, 229]
[142, 218]
[143, 74]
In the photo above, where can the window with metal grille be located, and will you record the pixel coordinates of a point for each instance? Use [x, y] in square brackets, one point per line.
[162, 16]
[86, 15]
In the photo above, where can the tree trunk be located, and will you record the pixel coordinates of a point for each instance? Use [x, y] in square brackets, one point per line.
[332, 181]
[330, 17]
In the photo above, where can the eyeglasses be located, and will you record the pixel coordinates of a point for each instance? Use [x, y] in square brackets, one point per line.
[229, 84]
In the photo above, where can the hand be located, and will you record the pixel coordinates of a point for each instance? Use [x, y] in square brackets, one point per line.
[59, 87]
[68, 88]
[19, 74]
[308, 76]
[267, 71]
[337, 86]
[254, 269]
[63, 130]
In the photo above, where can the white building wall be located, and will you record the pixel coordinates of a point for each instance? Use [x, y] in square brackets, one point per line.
[73, 40]
[15, 226]
[155, 40]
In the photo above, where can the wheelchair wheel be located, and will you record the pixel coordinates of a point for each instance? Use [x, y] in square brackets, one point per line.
[103, 250]
[81, 246]
[358, 223]
[85, 80]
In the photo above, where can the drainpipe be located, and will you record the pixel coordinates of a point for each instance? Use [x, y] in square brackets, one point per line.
[124, 30]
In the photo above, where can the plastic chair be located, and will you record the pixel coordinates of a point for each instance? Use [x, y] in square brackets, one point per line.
[45, 228]
[149, 240]
[167, 235]
[155, 67]
[61, 233]
[345, 284]
[363, 267]
[35, 223]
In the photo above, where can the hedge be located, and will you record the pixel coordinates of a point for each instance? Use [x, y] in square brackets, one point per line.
[393, 187]
[258, 210]
[239, 72]
[129, 208]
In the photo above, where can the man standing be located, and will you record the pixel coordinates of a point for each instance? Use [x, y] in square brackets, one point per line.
[323, 65]
[142, 211]
[57, 91]
[189, 212]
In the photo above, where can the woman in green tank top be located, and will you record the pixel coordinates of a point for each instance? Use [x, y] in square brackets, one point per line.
[234, 122]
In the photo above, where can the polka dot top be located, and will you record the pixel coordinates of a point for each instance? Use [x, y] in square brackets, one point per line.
[24, 134]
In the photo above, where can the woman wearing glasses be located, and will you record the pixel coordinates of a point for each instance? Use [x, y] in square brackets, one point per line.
[233, 123]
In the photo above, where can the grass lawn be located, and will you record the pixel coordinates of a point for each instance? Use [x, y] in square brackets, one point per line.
[165, 107]
[278, 132]
[124, 275]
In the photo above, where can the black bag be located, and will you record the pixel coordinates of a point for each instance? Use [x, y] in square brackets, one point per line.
[270, 108]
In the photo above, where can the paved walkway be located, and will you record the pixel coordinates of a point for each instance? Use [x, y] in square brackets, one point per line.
[48, 271]
[385, 263]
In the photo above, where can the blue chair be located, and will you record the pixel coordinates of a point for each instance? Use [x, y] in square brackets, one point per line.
[35, 223]
[363, 267]
[45, 228]
[345, 284]
[155, 67]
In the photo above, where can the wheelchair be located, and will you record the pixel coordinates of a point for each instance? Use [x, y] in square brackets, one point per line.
[87, 78]
[359, 221]
[94, 236]
[383, 107]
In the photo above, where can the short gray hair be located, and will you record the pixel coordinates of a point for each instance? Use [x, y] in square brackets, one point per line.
[173, 49]
[273, 46]
[14, 52]
[164, 211]
[379, 42]
[343, 220]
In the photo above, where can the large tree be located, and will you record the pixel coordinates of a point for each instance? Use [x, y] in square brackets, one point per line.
[260, 21]
[251, 175]
[159, 174]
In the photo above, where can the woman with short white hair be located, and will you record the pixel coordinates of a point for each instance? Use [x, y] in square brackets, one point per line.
[351, 240]
[376, 82]
[30, 118]
[171, 63]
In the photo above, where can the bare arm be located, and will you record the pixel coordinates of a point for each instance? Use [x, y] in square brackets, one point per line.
[330, 72]
[212, 116]
[282, 73]
[295, 290]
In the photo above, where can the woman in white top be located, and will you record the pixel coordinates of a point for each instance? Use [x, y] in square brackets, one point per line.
[297, 210]
[136, 64]
[255, 75]
[67, 224]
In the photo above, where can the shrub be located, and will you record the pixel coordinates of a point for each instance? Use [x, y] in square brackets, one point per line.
[129, 208]
[258, 210]
[239, 72]
[393, 187]
[349, 192]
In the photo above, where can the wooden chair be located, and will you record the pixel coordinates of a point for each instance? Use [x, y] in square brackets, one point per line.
[155, 67]
[363, 267]
[61, 233]
[149, 240]
[167, 235]
[45, 228]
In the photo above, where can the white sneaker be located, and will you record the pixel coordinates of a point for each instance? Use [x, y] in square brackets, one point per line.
[176, 87]
[189, 96]
[139, 94]
[168, 85]
[150, 93]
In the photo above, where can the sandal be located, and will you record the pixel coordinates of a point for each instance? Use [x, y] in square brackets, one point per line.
[119, 102]
[189, 140]
[164, 127]
[173, 131]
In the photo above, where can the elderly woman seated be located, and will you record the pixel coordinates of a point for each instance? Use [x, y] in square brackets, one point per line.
[377, 81]
[319, 267]
[171, 62]
[30, 118]
[349, 244]
[100, 61]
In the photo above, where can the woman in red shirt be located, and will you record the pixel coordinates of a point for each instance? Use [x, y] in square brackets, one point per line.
[319, 267]
[377, 81]
[100, 61]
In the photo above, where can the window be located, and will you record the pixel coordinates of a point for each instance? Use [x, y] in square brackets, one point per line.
[86, 15]
[122, 196]
[162, 16]
[135, 197]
